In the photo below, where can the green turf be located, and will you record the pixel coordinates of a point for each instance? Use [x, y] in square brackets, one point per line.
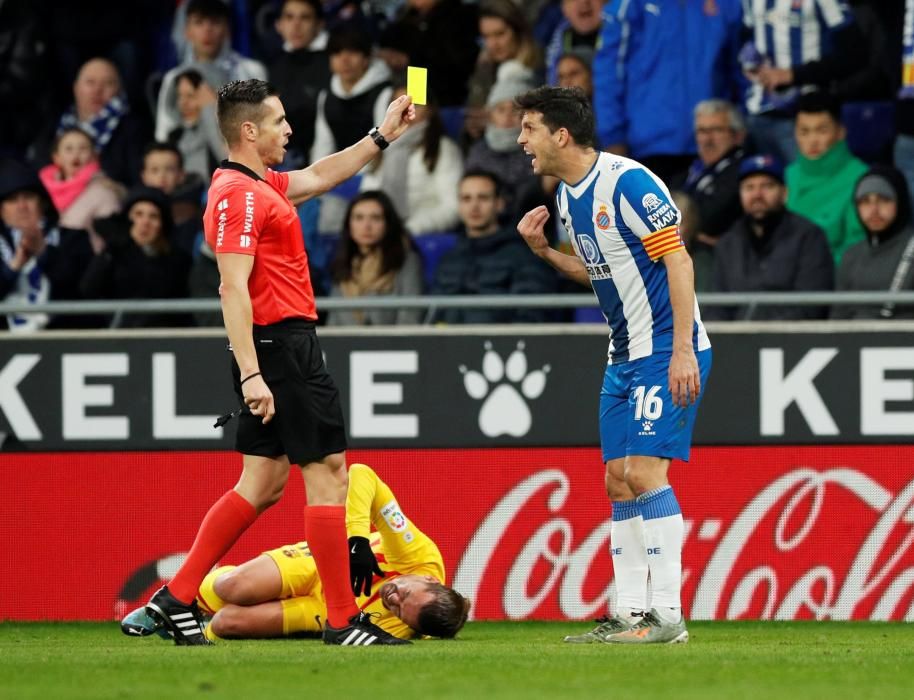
[492, 660]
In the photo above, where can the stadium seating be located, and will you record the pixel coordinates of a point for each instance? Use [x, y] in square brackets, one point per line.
[431, 247]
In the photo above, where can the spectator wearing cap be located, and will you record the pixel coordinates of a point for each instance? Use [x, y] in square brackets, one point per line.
[39, 261]
[139, 260]
[643, 87]
[302, 70]
[498, 152]
[508, 51]
[820, 182]
[209, 52]
[100, 109]
[885, 260]
[713, 179]
[770, 249]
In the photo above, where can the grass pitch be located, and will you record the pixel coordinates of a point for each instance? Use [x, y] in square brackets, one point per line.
[491, 660]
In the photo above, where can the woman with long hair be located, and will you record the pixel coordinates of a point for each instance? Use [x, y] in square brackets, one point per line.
[420, 172]
[509, 53]
[375, 257]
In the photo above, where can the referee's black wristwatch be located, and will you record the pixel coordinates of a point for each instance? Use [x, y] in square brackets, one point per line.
[378, 138]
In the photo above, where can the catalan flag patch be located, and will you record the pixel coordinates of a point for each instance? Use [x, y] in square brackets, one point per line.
[662, 242]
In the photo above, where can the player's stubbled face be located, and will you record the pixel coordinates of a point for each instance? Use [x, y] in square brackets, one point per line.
[536, 140]
[273, 132]
[406, 595]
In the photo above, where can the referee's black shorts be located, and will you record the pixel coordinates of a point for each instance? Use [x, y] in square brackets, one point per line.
[308, 424]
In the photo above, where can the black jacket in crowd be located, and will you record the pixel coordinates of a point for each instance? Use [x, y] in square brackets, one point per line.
[791, 255]
[497, 264]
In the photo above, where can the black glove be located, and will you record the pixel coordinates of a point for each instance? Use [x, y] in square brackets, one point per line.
[362, 564]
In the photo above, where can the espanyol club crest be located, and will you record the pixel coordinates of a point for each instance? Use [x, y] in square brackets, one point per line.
[602, 219]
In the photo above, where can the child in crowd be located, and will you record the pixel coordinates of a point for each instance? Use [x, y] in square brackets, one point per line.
[79, 189]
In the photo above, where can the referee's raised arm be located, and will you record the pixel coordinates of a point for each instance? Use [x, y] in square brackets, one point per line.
[327, 173]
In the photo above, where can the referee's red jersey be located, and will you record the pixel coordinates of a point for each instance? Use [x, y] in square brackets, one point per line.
[251, 215]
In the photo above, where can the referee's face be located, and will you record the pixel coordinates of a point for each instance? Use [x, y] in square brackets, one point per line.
[273, 132]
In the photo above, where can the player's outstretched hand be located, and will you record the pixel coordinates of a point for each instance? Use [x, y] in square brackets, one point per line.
[685, 381]
[531, 228]
[362, 564]
[400, 114]
[259, 398]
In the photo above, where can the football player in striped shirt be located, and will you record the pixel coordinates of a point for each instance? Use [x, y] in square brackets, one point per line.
[624, 229]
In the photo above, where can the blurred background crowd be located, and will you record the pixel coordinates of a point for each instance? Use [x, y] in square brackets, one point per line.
[784, 129]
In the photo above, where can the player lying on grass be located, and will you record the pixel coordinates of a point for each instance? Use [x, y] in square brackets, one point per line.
[279, 593]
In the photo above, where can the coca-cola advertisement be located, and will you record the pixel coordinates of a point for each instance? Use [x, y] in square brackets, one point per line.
[771, 532]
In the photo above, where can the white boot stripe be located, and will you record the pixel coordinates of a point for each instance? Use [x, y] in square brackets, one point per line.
[351, 636]
[181, 616]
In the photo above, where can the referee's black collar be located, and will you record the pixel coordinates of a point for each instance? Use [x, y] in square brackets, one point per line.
[232, 165]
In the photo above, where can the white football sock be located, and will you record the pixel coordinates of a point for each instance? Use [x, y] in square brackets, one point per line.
[663, 536]
[630, 564]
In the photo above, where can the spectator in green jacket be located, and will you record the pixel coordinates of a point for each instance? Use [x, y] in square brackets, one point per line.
[820, 182]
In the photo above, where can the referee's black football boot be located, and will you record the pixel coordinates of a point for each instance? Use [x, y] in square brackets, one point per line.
[360, 632]
[184, 622]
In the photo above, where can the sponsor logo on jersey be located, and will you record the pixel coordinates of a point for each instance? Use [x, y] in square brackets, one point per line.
[650, 202]
[248, 212]
[220, 222]
[394, 516]
[588, 248]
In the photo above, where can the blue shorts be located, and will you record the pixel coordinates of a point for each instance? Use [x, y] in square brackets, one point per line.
[637, 414]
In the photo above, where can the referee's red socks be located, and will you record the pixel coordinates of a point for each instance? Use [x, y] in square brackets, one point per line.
[230, 516]
[325, 528]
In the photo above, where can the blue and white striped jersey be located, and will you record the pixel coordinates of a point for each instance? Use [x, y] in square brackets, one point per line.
[621, 221]
[790, 33]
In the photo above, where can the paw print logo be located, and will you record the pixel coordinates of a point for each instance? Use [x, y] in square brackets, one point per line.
[647, 426]
[504, 387]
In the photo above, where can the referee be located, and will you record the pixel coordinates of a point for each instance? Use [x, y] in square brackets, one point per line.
[294, 414]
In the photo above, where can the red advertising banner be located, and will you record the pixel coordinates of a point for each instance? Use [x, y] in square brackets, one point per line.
[771, 532]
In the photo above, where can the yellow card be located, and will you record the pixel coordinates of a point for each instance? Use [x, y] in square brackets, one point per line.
[417, 84]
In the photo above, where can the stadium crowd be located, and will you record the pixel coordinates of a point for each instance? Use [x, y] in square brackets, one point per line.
[784, 129]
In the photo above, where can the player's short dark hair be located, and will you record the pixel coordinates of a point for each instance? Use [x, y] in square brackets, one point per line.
[819, 101]
[163, 147]
[209, 9]
[562, 108]
[315, 5]
[485, 174]
[241, 101]
[444, 616]
[348, 37]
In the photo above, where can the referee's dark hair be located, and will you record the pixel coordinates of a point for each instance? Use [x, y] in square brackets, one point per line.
[562, 108]
[241, 101]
